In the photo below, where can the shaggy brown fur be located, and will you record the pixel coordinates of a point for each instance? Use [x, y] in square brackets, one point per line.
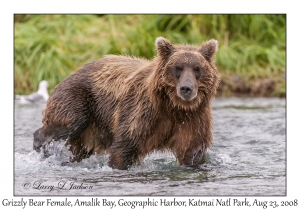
[131, 106]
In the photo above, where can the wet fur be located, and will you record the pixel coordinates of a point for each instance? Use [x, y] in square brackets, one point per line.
[130, 107]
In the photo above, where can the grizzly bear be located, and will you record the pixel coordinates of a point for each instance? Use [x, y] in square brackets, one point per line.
[129, 106]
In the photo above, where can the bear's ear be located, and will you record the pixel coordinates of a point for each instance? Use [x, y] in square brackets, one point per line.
[163, 47]
[209, 49]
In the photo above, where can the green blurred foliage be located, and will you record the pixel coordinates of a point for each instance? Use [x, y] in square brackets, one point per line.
[52, 47]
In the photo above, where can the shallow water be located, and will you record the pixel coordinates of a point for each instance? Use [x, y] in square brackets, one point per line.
[248, 157]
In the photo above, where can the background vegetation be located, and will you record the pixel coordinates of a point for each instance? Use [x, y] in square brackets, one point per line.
[251, 57]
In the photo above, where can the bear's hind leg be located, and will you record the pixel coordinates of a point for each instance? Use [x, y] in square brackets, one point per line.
[79, 151]
[57, 132]
[93, 140]
[38, 140]
[123, 154]
[46, 134]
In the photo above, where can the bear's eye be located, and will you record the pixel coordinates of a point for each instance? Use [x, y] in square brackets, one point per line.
[198, 72]
[178, 71]
[178, 68]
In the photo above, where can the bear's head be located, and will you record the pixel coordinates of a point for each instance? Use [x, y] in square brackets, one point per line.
[187, 73]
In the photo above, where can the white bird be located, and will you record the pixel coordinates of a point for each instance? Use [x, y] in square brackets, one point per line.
[41, 96]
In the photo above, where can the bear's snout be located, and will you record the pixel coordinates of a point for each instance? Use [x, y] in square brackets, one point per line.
[187, 85]
[186, 90]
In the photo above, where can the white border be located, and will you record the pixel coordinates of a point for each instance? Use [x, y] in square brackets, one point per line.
[8, 8]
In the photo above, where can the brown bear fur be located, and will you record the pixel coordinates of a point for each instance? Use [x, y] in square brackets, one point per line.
[130, 107]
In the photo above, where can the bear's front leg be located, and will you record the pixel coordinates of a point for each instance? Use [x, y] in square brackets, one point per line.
[193, 155]
[122, 154]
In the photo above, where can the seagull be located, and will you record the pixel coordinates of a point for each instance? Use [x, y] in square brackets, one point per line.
[41, 96]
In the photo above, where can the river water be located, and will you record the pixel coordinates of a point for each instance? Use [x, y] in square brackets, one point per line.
[248, 157]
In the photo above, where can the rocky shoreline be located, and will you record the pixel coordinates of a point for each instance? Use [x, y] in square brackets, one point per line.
[239, 87]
